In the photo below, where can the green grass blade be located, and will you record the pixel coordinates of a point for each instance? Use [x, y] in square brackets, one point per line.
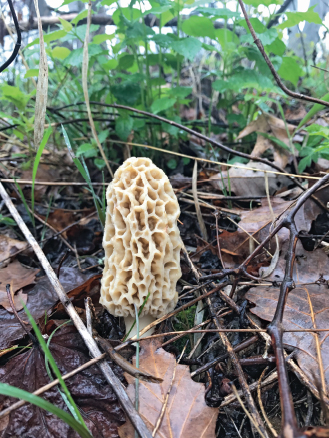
[140, 311]
[53, 365]
[315, 108]
[12, 391]
[37, 161]
[25, 203]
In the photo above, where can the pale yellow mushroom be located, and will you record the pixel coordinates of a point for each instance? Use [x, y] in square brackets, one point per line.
[142, 244]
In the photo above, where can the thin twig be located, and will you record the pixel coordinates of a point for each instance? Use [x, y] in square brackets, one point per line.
[269, 424]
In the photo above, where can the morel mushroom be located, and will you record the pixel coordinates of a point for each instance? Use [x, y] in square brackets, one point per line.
[142, 244]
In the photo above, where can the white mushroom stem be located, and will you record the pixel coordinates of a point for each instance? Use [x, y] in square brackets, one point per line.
[143, 322]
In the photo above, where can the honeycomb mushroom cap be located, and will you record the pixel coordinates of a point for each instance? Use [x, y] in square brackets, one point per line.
[141, 241]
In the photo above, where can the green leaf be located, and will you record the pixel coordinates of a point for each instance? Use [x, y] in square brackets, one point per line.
[126, 61]
[294, 18]
[99, 163]
[162, 104]
[7, 220]
[31, 73]
[123, 126]
[277, 47]
[258, 26]
[180, 92]
[199, 27]
[53, 36]
[218, 13]
[315, 108]
[257, 3]
[81, 30]
[12, 391]
[131, 14]
[74, 58]
[111, 64]
[304, 162]
[290, 70]
[66, 25]
[16, 96]
[225, 36]
[126, 92]
[60, 52]
[172, 164]
[187, 47]
[108, 2]
[99, 39]
[267, 37]
[86, 149]
[83, 14]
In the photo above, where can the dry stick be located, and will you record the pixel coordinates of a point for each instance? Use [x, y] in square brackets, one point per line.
[196, 200]
[89, 341]
[242, 381]
[269, 424]
[85, 89]
[260, 46]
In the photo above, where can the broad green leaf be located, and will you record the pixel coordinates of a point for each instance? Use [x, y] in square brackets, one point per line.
[126, 92]
[67, 2]
[180, 92]
[108, 2]
[53, 36]
[110, 64]
[32, 72]
[99, 39]
[164, 41]
[123, 126]
[60, 52]
[158, 10]
[315, 108]
[66, 25]
[218, 13]
[162, 104]
[304, 162]
[290, 70]
[199, 27]
[257, 3]
[277, 47]
[126, 61]
[99, 163]
[83, 14]
[130, 14]
[221, 85]
[165, 17]
[187, 47]
[294, 18]
[74, 58]
[225, 36]
[86, 149]
[80, 31]
[258, 26]
[316, 129]
[267, 37]
[172, 164]
[16, 96]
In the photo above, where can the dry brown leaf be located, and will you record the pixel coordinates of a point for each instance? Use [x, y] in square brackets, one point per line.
[8, 246]
[246, 182]
[271, 125]
[298, 315]
[18, 276]
[186, 414]
[42, 87]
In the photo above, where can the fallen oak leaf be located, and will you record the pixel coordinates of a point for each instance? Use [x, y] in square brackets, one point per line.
[298, 315]
[18, 276]
[186, 415]
[9, 246]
